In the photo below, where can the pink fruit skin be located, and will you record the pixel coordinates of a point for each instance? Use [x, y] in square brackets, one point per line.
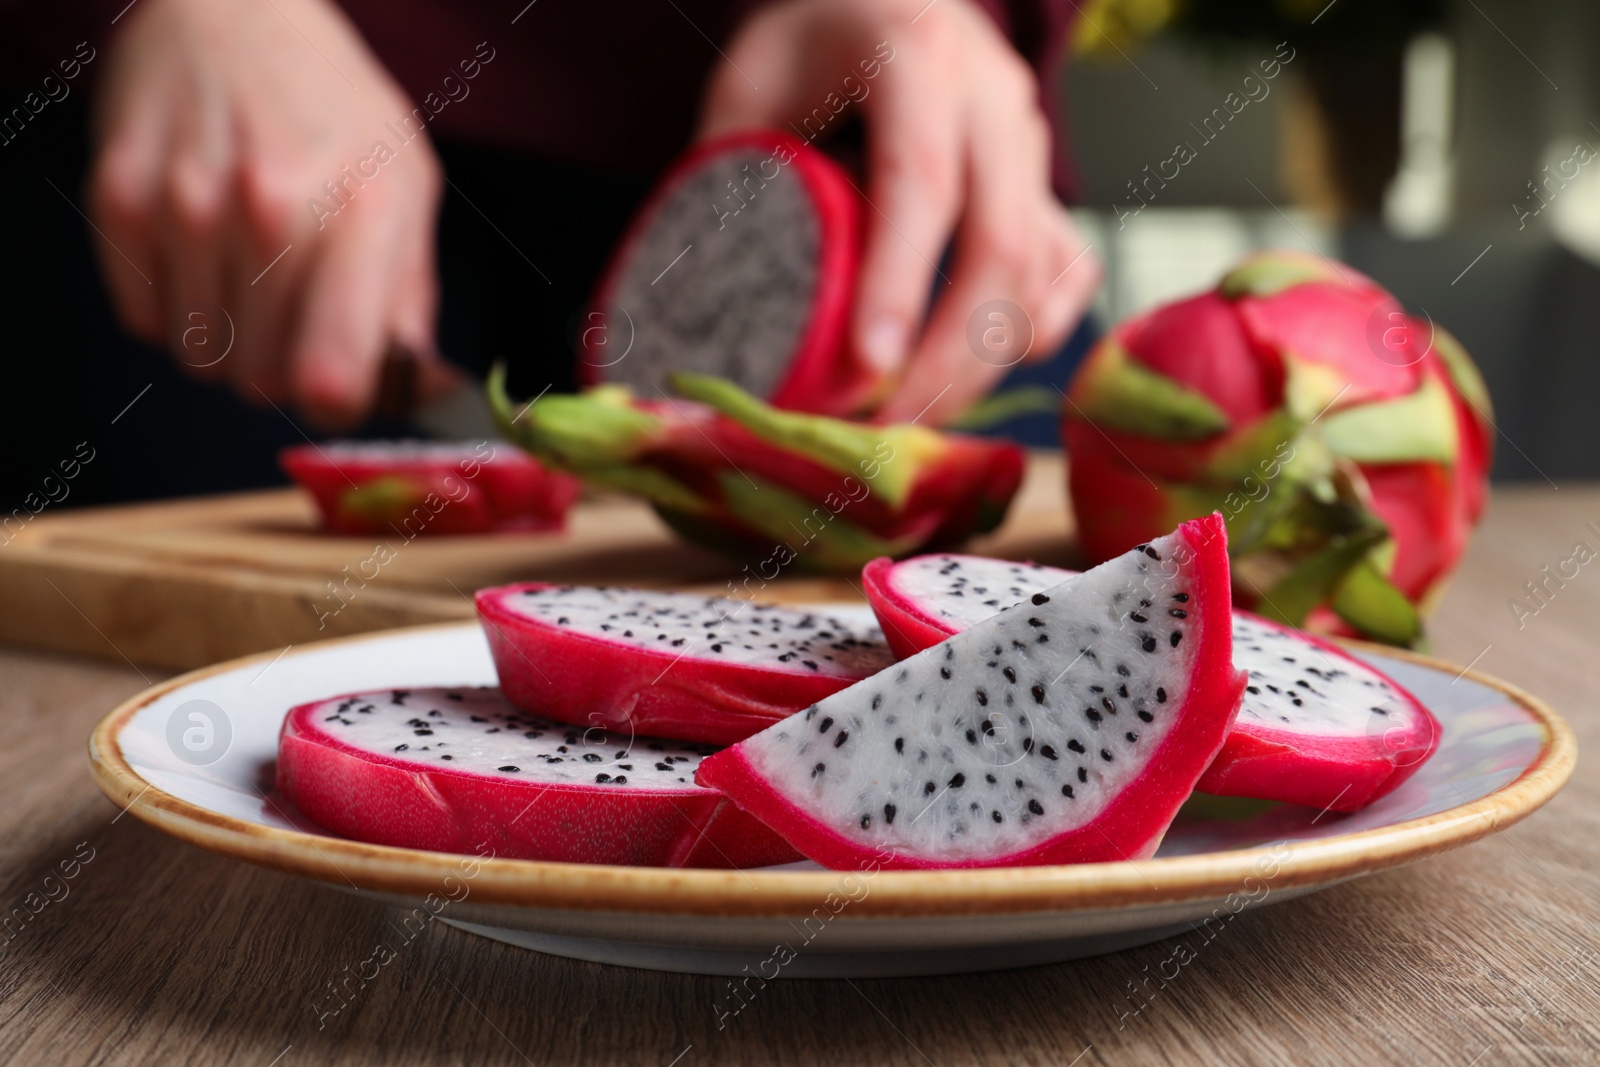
[369, 797]
[1336, 774]
[1340, 774]
[579, 679]
[822, 378]
[509, 491]
[1137, 817]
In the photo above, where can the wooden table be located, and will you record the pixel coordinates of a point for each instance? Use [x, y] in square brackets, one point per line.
[159, 953]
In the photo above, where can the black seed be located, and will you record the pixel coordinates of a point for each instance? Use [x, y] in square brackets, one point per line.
[592, 757]
[866, 821]
[1041, 639]
[663, 766]
[1047, 752]
[1105, 754]
[899, 744]
[1161, 695]
[509, 769]
[877, 701]
[1182, 598]
[987, 727]
[1131, 736]
[621, 779]
[1152, 553]
[1036, 807]
[1066, 791]
[1254, 690]
[1136, 617]
[1146, 716]
[1122, 671]
[1011, 675]
[1076, 746]
[1040, 598]
[927, 788]
[1038, 694]
[983, 698]
[1147, 642]
[1035, 622]
[1109, 704]
[447, 757]
[958, 781]
[602, 778]
[1083, 775]
[1094, 716]
[972, 737]
[401, 748]
[825, 725]
[844, 735]
[1177, 635]
[423, 733]
[888, 814]
[1178, 613]
[944, 672]
[995, 815]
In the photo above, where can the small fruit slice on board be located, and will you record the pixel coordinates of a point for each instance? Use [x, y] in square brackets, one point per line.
[461, 770]
[1068, 730]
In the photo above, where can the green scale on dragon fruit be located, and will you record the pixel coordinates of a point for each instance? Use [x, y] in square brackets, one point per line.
[462, 770]
[1316, 726]
[1064, 731]
[708, 669]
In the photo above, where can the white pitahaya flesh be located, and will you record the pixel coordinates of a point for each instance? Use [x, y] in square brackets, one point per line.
[707, 669]
[1316, 726]
[462, 770]
[1068, 730]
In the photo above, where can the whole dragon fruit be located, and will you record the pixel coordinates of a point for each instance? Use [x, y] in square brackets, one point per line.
[1346, 443]
[773, 488]
[1067, 730]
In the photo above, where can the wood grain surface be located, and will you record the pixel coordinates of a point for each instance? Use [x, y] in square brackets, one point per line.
[157, 953]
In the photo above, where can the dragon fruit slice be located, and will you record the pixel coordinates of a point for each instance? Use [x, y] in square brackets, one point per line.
[1069, 730]
[772, 488]
[424, 487]
[708, 669]
[455, 770]
[1315, 726]
[741, 265]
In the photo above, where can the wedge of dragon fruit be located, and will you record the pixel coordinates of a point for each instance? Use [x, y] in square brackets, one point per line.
[461, 770]
[1068, 730]
[756, 290]
[708, 669]
[411, 488]
[774, 489]
[1316, 726]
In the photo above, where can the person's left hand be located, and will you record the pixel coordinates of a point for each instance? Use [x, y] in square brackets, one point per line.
[957, 146]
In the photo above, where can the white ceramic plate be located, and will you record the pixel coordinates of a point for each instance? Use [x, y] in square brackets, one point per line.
[1501, 756]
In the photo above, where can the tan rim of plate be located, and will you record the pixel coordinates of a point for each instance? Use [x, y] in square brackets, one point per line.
[651, 890]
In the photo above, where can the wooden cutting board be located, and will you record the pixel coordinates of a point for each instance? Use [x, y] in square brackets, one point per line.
[183, 583]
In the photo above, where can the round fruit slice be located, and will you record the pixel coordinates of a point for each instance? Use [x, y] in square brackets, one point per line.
[461, 770]
[412, 488]
[709, 669]
[740, 265]
[1316, 726]
[1067, 730]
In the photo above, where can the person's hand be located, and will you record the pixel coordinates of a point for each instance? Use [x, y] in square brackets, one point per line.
[220, 123]
[957, 145]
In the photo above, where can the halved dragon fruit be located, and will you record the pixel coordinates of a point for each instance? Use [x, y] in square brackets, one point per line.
[708, 669]
[742, 265]
[1316, 726]
[1068, 730]
[411, 488]
[461, 770]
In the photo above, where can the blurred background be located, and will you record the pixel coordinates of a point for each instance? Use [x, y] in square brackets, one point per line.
[1441, 146]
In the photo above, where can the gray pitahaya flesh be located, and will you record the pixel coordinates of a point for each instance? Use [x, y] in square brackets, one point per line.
[1316, 726]
[1069, 730]
[708, 669]
[462, 770]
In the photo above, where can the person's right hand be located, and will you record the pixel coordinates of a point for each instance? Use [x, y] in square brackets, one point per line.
[219, 123]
